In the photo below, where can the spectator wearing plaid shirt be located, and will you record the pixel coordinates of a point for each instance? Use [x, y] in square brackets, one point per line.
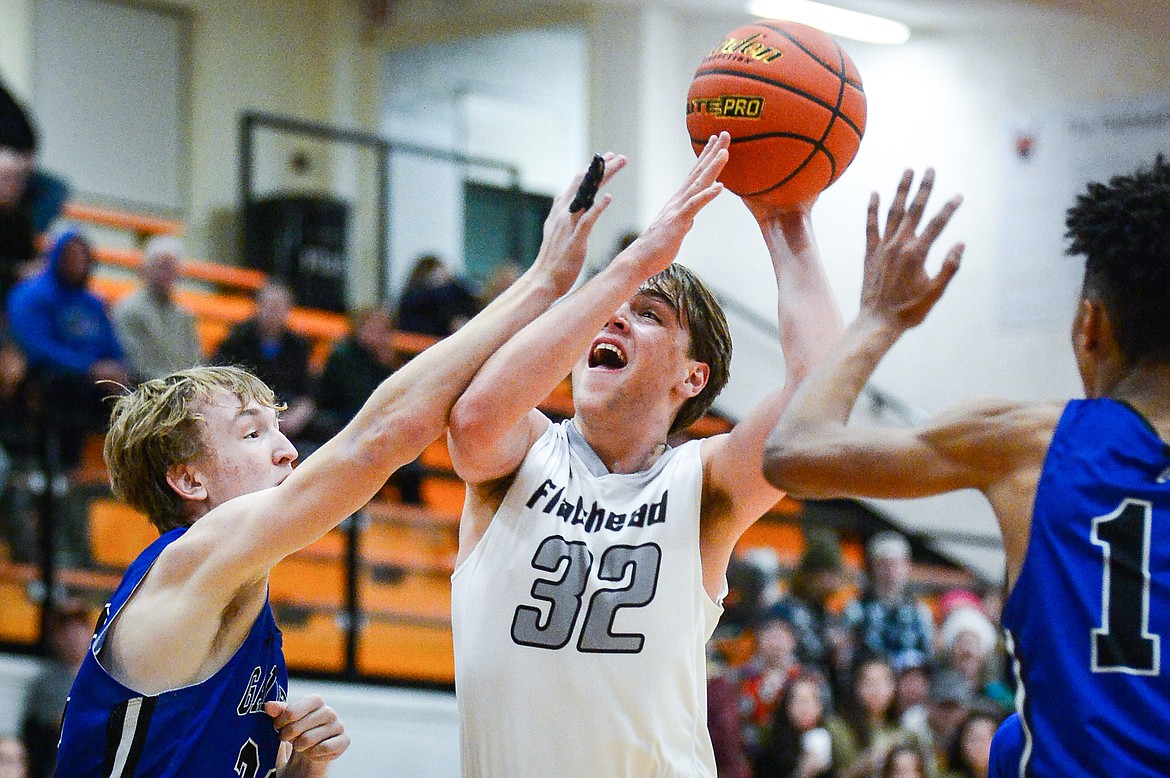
[887, 619]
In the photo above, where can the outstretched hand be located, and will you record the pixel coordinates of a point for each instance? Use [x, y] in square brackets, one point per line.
[657, 247]
[896, 286]
[566, 234]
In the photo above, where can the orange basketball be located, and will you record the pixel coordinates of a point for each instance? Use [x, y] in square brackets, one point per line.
[791, 100]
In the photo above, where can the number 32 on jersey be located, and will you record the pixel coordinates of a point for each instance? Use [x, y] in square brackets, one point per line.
[565, 596]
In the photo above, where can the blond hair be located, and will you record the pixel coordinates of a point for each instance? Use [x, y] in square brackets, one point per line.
[158, 425]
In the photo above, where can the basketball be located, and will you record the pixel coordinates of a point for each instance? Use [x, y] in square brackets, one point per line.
[793, 103]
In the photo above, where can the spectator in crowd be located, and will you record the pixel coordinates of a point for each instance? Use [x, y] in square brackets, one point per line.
[970, 753]
[70, 627]
[17, 241]
[872, 722]
[912, 691]
[951, 698]
[723, 720]
[767, 561]
[72, 349]
[744, 601]
[29, 199]
[763, 678]
[354, 369]
[904, 762]
[16, 443]
[888, 619]
[13, 758]
[433, 301]
[157, 334]
[502, 276]
[805, 740]
[822, 640]
[276, 355]
[968, 641]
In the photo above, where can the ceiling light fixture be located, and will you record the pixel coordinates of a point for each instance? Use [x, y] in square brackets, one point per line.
[833, 20]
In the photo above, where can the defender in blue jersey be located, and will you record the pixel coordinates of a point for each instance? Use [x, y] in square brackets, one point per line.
[186, 676]
[1081, 490]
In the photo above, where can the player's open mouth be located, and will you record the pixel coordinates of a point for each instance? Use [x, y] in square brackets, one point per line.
[607, 355]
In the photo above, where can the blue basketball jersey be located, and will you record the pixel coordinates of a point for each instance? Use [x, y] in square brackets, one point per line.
[1007, 747]
[214, 728]
[1087, 616]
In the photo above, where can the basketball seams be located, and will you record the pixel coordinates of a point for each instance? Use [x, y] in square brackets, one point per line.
[816, 146]
[805, 91]
[833, 119]
[761, 136]
[786, 87]
[842, 74]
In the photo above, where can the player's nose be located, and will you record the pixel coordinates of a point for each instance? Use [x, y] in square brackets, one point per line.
[619, 321]
[285, 452]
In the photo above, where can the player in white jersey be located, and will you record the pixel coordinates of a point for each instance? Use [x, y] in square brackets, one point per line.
[592, 555]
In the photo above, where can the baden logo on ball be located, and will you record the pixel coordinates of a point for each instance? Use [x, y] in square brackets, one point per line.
[792, 101]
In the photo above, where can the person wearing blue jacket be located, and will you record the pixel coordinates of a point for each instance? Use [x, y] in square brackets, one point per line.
[69, 340]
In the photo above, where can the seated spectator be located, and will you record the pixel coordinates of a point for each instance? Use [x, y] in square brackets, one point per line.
[732, 640]
[276, 355]
[354, 369]
[805, 741]
[822, 641]
[433, 301]
[767, 561]
[970, 754]
[72, 350]
[904, 762]
[747, 586]
[13, 759]
[17, 240]
[157, 335]
[70, 629]
[502, 276]
[872, 722]
[30, 200]
[17, 524]
[951, 697]
[968, 642]
[911, 691]
[723, 720]
[887, 619]
[763, 678]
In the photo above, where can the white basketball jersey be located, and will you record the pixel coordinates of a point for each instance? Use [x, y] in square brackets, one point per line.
[580, 621]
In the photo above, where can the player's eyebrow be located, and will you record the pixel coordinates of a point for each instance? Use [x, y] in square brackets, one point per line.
[251, 412]
[654, 296]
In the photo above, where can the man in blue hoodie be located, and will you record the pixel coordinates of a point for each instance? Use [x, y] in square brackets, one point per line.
[70, 343]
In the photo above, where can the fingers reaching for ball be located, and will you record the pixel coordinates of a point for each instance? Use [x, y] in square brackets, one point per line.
[657, 247]
[896, 286]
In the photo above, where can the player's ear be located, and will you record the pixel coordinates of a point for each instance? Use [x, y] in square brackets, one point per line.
[697, 377]
[1085, 326]
[187, 482]
[1093, 329]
